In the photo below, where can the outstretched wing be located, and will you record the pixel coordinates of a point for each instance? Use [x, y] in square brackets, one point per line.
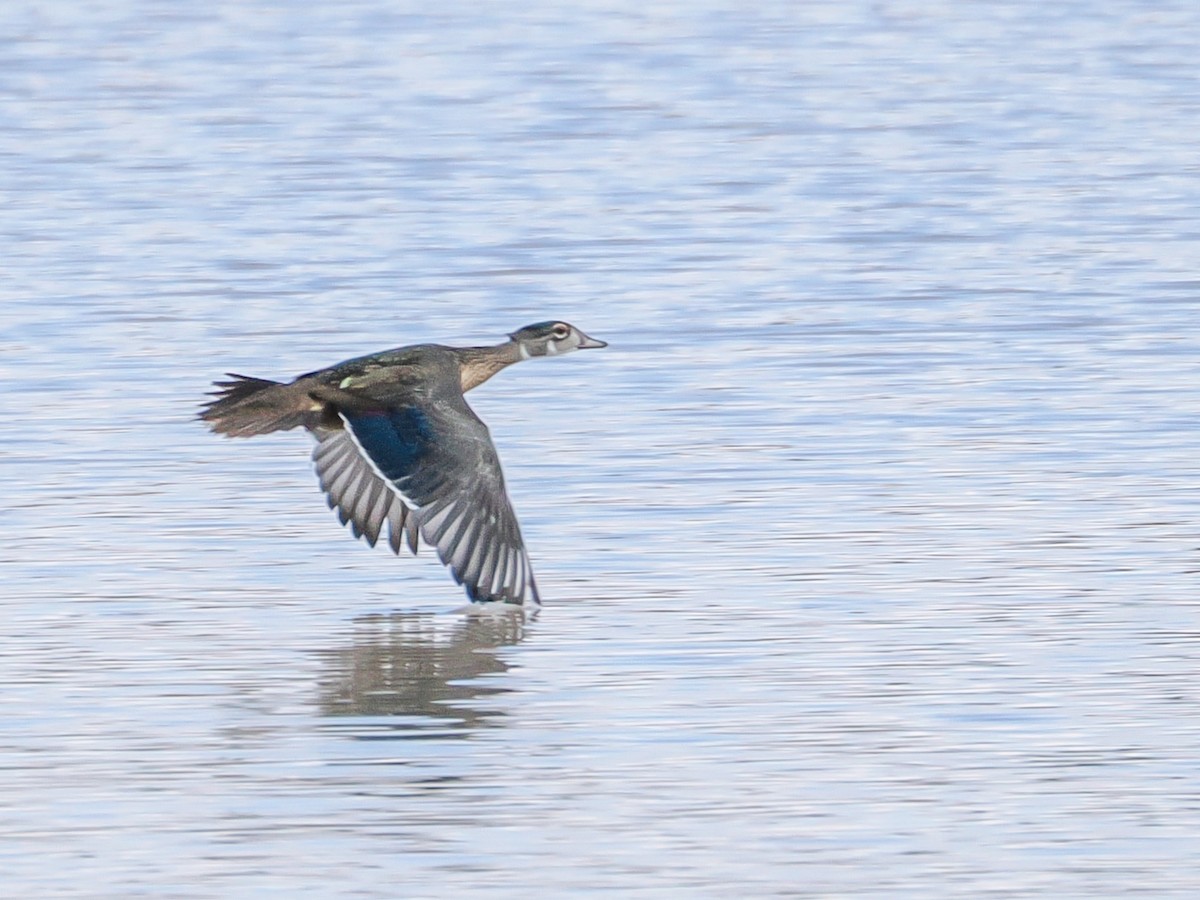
[442, 463]
[359, 495]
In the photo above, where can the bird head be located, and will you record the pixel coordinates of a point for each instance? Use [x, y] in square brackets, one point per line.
[552, 339]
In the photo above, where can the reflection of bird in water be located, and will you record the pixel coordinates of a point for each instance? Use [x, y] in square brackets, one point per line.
[417, 667]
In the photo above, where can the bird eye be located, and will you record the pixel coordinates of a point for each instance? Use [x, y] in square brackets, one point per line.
[560, 332]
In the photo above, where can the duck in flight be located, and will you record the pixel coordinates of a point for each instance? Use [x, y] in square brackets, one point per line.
[397, 445]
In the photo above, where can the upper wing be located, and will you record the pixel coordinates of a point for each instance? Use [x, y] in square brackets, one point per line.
[441, 461]
[360, 496]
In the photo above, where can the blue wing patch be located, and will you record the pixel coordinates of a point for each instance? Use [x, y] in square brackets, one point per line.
[396, 440]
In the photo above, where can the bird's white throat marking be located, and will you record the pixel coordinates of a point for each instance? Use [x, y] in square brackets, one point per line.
[523, 351]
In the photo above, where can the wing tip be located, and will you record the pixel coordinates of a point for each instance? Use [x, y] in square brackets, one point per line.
[525, 594]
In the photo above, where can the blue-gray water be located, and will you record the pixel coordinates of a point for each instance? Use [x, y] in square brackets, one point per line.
[869, 546]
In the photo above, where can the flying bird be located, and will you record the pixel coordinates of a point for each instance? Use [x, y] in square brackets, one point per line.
[398, 446]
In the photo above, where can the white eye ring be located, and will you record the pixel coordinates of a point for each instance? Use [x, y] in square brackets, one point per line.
[560, 332]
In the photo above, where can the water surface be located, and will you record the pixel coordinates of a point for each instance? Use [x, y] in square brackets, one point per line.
[869, 545]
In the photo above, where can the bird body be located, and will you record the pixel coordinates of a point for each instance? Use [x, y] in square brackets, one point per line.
[398, 445]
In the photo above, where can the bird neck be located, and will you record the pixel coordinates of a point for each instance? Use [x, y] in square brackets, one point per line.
[477, 364]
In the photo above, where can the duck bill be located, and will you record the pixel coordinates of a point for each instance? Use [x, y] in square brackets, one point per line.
[590, 343]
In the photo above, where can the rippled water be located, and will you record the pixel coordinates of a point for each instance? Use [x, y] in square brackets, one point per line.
[869, 546]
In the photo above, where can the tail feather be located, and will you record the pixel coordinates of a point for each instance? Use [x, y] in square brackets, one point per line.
[245, 406]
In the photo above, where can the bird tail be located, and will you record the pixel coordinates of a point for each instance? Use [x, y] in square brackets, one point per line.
[248, 406]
